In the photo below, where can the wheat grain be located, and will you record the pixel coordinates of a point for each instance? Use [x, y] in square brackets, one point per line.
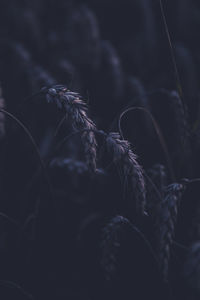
[127, 160]
[76, 111]
[166, 220]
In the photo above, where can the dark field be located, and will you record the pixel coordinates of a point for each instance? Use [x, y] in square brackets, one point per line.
[99, 150]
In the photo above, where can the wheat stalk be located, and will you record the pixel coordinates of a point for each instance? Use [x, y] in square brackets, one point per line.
[166, 220]
[127, 160]
[76, 111]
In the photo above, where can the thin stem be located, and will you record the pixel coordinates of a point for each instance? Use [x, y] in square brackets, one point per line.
[188, 181]
[9, 219]
[59, 126]
[26, 100]
[178, 81]
[141, 234]
[27, 132]
[159, 134]
[179, 245]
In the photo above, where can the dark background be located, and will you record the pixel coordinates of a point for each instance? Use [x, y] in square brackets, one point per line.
[116, 54]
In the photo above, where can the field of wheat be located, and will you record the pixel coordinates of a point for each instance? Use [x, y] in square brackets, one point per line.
[99, 150]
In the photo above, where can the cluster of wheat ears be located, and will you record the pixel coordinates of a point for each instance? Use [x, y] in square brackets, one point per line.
[99, 200]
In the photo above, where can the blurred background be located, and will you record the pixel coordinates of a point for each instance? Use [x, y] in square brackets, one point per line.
[116, 54]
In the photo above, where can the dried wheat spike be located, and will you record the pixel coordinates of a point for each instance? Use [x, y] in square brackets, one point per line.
[127, 160]
[166, 220]
[111, 242]
[128, 262]
[2, 116]
[76, 111]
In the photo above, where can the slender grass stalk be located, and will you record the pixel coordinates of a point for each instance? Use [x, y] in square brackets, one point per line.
[27, 132]
[158, 132]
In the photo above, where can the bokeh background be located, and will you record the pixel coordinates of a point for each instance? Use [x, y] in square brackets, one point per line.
[116, 54]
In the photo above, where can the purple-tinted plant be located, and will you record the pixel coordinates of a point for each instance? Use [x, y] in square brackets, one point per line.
[76, 110]
[167, 213]
[126, 160]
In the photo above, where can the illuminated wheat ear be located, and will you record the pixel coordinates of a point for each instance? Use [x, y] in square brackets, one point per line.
[76, 111]
[127, 161]
[166, 220]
